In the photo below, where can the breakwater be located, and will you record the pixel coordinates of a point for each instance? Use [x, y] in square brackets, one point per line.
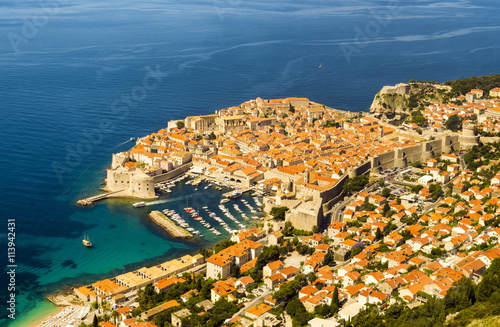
[168, 225]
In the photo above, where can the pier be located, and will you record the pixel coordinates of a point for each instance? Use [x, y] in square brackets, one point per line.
[242, 190]
[168, 225]
[114, 194]
[95, 198]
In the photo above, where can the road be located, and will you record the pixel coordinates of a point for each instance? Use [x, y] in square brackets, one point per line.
[335, 211]
[250, 304]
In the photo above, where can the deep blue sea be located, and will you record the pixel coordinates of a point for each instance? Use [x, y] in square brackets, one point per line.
[79, 78]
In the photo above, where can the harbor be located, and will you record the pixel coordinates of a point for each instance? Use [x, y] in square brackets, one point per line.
[208, 221]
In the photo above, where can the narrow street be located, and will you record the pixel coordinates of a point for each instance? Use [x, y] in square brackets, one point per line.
[250, 304]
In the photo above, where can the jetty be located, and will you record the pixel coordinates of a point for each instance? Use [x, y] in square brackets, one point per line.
[99, 197]
[95, 198]
[241, 190]
[168, 225]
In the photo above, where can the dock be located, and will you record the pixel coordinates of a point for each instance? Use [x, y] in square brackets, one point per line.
[168, 225]
[95, 198]
[242, 190]
[99, 197]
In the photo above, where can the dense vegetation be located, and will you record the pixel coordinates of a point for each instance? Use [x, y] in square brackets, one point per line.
[479, 156]
[454, 123]
[330, 123]
[278, 213]
[470, 301]
[217, 248]
[355, 184]
[463, 86]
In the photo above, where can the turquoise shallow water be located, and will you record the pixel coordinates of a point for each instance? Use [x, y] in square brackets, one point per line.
[71, 94]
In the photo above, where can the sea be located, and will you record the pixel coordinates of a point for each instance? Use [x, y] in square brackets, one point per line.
[78, 79]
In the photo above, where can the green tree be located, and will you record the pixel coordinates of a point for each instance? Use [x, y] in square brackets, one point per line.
[235, 272]
[298, 312]
[386, 208]
[335, 305]
[115, 315]
[323, 311]
[223, 245]
[311, 277]
[180, 124]
[355, 184]
[288, 229]
[287, 291]
[416, 189]
[453, 123]
[436, 191]
[330, 123]
[461, 295]
[490, 282]
[278, 213]
[329, 259]
[383, 248]
[212, 136]
[95, 322]
[386, 192]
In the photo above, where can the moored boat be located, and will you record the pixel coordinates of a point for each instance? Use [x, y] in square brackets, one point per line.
[86, 241]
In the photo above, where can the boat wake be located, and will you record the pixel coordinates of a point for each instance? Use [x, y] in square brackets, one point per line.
[129, 140]
[165, 200]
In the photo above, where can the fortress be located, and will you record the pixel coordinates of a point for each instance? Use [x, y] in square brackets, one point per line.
[308, 194]
[131, 181]
[124, 181]
[309, 212]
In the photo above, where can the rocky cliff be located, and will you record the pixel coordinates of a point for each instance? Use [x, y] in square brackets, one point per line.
[408, 97]
[391, 99]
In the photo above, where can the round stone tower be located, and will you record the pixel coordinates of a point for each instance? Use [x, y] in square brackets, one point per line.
[468, 138]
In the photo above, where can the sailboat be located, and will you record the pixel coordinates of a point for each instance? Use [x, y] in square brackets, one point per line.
[319, 65]
[86, 241]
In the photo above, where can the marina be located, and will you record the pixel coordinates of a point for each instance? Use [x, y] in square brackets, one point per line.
[206, 221]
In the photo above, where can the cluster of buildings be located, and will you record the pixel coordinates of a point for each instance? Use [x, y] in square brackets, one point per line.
[116, 290]
[474, 108]
[379, 258]
[402, 247]
[295, 147]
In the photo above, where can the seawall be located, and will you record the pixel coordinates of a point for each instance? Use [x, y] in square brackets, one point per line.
[168, 225]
